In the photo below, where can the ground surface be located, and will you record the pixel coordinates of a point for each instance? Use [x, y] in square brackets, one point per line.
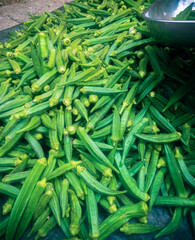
[16, 13]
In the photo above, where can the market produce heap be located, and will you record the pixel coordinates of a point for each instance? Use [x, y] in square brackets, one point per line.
[94, 114]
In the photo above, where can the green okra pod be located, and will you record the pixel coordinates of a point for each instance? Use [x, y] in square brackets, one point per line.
[161, 137]
[24, 197]
[123, 215]
[128, 181]
[61, 170]
[93, 149]
[94, 184]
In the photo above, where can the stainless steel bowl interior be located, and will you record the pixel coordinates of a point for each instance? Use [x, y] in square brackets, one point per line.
[166, 31]
[166, 9]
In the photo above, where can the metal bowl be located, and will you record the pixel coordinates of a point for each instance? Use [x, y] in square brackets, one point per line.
[166, 31]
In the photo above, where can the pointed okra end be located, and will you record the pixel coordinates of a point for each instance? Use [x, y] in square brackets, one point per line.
[76, 163]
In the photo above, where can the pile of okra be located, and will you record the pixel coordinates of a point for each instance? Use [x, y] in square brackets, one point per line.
[95, 115]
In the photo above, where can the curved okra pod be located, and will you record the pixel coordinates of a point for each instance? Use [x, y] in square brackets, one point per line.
[87, 163]
[64, 196]
[23, 197]
[16, 67]
[116, 126]
[161, 120]
[128, 181]
[47, 226]
[52, 56]
[160, 138]
[35, 145]
[175, 172]
[15, 138]
[42, 203]
[186, 130]
[155, 188]
[15, 177]
[61, 170]
[44, 80]
[68, 146]
[40, 221]
[102, 146]
[92, 213]
[123, 215]
[74, 181]
[94, 184]
[47, 122]
[3, 226]
[60, 121]
[81, 108]
[53, 135]
[188, 178]
[173, 225]
[107, 172]
[112, 186]
[36, 61]
[10, 95]
[43, 97]
[51, 162]
[58, 91]
[54, 204]
[138, 228]
[102, 91]
[130, 137]
[29, 210]
[15, 103]
[79, 77]
[34, 123]
[175, 201]
[124, 119]
[9, 190]
[75, 213]
[8, 127]
[93, 149]
[130, 96]
[179, 93]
